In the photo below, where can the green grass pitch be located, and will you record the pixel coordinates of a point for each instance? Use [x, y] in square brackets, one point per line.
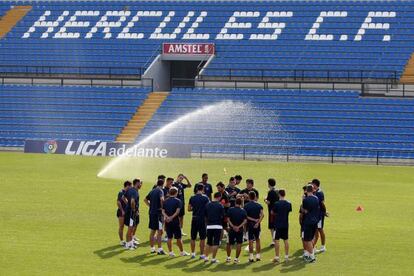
[57, 217]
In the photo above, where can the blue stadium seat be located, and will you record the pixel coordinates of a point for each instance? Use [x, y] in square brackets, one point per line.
[68, 112]
[348, 39]
[309, 122]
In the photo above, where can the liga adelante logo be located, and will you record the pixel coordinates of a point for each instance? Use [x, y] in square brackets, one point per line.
[50, 146]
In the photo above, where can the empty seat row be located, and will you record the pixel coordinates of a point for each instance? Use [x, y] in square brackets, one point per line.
[68, 112]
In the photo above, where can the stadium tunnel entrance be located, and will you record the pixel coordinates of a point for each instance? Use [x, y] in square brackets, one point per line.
[178, 69]
[183, 73]
[168, 72]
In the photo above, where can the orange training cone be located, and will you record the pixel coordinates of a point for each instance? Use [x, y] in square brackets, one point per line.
[359, 208]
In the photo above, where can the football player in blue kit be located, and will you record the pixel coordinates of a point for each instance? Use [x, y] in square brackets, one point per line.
[197, 206]
[280, 211]
[171, 210]
[254, 218]
[121, 202]
[237, 218]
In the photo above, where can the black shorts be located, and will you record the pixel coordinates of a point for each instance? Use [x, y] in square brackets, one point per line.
[321, 222]
[235, 237]
[118, 213]
[173, 230]
[213, 237]
[308, 232]
[155, 222]
[281, 233]
[131, 221]
[198, 226]
[253, 233]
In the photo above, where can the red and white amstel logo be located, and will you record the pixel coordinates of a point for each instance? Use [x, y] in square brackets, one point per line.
[188, 48]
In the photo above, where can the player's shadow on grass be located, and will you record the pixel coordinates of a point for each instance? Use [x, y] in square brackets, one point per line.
[267, 248]
[182, 263]
[147, 259]
[110, 251]
[296, 263]
[229, 267]
[267, 265]
[201, 266]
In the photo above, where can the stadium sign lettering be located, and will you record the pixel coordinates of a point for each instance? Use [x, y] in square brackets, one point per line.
[187, 49]
[86, 148]
[68, 25]
[98, 148]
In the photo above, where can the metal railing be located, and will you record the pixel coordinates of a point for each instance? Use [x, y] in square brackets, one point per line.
[347, 76]
[72, 71]
[91, 81]
[288, 154]
[397, 90]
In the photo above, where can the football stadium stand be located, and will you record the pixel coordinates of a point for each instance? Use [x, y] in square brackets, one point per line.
[68, 112]
[310, 122]
[345, 44]
[347, 39]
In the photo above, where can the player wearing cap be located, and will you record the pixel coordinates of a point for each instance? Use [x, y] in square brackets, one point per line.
[254, 218]
[237, 218]
[170, 210]
[214, 214]
[197, 205]
[281, 210]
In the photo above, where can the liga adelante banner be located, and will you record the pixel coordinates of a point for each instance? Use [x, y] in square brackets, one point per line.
[99, 148]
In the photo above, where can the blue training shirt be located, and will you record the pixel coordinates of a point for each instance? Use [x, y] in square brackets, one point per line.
[253, 210]
[154, 198]
[311, 205]
[198, 202]
[282, 208]
[214, 213]
[119, 198]
[132, 193]
[236, 215]
[170, 206]
[321, 196]
[181, 187]
[208, 189]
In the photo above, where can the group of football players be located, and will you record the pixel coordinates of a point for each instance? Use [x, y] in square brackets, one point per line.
[228, 213]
